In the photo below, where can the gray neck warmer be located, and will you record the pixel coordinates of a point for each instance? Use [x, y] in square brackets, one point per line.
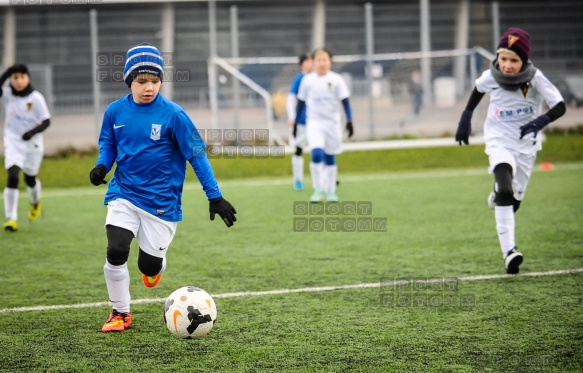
[514, 82]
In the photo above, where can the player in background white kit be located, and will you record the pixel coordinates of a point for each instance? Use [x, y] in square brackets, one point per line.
[322, 91]
[27, 116]
[299, 141]
[517, 90]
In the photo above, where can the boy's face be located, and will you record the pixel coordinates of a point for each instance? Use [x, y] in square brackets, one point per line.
[145, 88]
[19, 81]
[509, 63]
[322, 63]
[307, 66]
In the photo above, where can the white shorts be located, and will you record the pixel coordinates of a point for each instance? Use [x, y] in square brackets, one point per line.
[301, 139]
[154, 235]
[522, 166]
[325, 136]
[27, 155]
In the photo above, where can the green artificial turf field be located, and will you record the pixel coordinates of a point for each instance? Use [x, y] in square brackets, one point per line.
[438, 228]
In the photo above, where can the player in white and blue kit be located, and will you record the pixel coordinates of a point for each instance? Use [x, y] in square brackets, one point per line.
[300, 140]
[516, 89]
[27, 117]
[150, 139]
[321, 92]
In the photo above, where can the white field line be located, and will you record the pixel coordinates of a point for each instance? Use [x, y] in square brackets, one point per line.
[301, 290]
[276, 181]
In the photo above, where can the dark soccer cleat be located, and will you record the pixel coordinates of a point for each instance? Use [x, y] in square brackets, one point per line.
[512, 261]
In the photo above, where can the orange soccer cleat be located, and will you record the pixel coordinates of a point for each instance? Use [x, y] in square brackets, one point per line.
[117, 322]
[151, 281]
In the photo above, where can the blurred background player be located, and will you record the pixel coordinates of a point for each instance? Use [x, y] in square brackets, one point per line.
[298, 141]
[27, 116]
[150, 138]
[517, 90]
[416, 91]
[321, 91]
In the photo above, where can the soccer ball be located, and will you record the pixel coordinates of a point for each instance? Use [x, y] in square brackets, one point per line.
[190, 312]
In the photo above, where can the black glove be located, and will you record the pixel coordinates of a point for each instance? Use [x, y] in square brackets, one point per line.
[28, 135]
[295, 131]
[350, 129]
[225, 210]
[464, 128]
[535, 125]
[97, 175]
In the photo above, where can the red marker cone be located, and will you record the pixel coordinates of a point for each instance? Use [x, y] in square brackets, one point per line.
[546, 166]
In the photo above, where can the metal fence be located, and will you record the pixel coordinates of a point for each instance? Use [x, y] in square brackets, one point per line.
[272, 28]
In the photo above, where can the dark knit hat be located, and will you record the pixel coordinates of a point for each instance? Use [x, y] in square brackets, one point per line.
[143, 58]
[19, 68]
[517, 41]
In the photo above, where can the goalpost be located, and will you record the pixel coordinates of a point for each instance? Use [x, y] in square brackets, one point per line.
[380, 86]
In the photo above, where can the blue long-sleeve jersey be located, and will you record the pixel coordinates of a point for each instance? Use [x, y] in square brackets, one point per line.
[151, 144]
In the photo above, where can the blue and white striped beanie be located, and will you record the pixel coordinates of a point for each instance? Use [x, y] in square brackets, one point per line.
[143, 58]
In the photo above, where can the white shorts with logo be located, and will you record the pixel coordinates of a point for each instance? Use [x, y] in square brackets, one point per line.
[154, 235]
[27, 155]
[301, 139]
[522, 166]
[325, 136]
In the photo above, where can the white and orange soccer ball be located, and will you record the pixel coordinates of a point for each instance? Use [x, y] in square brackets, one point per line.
[190, 312]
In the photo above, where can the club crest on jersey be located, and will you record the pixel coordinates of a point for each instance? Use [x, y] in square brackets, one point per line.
[329, 86]
[156, 129]
[29, 105]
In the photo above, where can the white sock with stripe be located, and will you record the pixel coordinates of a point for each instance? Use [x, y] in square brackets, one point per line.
[505, 227]
[117, 279]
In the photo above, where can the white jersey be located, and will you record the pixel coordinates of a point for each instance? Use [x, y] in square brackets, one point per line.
[509, 110]
[322, 95]
[23, 114]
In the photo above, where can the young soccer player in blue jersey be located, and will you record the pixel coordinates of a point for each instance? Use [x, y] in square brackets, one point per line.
[300, 140]
[516, 89]
[27, 116]
[320, 93]
[150, 138]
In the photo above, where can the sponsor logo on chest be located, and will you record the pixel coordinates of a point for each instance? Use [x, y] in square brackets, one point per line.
[514, 113]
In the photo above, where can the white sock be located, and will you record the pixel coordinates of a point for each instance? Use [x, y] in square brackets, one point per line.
[298, 167]
[505, 227]
[11, 203]
[316, 170]
[34, 192]
[331, 175]
[117, 279]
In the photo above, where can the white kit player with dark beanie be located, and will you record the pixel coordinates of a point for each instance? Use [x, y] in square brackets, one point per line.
[322, 91]
[517, 90]
[151, 139]
[27, 116]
